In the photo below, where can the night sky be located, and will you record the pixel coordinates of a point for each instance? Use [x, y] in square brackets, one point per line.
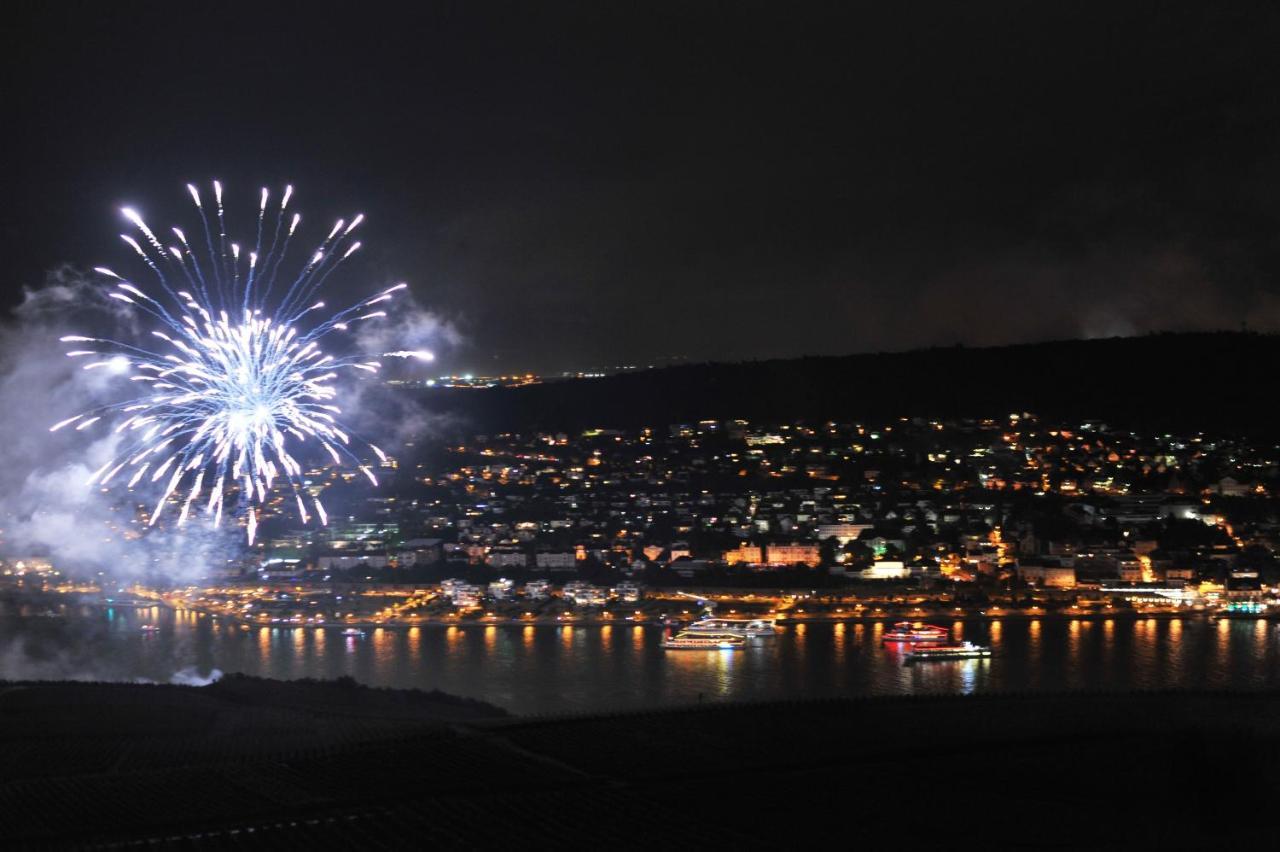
[572, 187]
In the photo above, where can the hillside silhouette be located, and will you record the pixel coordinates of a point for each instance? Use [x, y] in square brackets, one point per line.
[266, 764]
[1218, 382]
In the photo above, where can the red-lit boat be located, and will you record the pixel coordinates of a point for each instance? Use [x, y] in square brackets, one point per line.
[915, 631]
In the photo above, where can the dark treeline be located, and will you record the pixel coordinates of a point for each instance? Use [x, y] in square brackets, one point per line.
[1217, 382]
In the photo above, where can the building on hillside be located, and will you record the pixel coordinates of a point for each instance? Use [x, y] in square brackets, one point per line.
[332, 561]
[507, 558]
[1047, 574]
[794, 554]
[744, 554]
[886, 569]
[556, 561]
[842, 533]
[417, 552]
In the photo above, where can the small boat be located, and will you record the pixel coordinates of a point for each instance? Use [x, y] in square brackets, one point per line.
[351, 631]
[927, 651]
[750, 628]
[149, 628]
[690, 641]
[909, 631]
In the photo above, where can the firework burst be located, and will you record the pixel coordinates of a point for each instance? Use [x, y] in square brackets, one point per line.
[239, 381]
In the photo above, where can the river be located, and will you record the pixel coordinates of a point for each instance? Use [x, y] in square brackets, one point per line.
[556, 669]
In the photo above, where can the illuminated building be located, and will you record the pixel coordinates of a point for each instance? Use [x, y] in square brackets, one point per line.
[744, 554]
[794, 554]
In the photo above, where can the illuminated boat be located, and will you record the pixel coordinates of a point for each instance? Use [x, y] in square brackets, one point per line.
[689, 641]
[914, 631]
[148, 628]
[927, 651]
[750, 628]
[351, 631]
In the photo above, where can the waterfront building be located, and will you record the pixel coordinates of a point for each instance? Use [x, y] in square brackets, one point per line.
[537, 589]
[1050, 575]
[627, 592]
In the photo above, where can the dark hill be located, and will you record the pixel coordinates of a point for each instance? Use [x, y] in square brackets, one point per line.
[1194, 381]
[260, 764]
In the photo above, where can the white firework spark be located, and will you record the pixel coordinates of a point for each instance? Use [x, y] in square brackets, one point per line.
[241, 379]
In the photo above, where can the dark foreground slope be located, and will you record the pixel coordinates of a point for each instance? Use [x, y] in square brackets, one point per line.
[258, 764]
[1209, 381]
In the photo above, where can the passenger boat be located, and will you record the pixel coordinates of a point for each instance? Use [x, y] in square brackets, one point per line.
[148, 628]
[927, 651]
[691, 641]
[750, 628]
[914, 631]
[351, 631]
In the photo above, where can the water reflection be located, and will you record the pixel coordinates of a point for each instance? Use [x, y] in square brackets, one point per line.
[535, 668]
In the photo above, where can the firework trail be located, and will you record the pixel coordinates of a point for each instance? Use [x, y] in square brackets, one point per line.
[239, 379]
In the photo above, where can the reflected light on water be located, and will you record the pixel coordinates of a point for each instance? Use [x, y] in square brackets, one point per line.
[969, 675]
[382, 644]
[415, 645]
[531, 672]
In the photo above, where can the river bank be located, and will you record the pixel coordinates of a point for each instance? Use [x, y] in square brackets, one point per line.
[604, 620]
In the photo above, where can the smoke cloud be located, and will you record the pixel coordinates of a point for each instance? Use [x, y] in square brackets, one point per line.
[46, 507]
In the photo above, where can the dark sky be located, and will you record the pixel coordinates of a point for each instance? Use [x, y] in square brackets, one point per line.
[575, 186]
